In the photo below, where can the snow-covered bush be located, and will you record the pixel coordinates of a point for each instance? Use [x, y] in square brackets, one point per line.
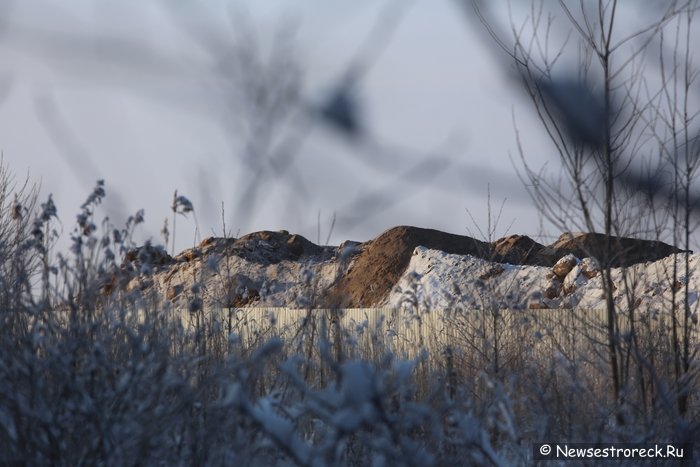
[96, 371]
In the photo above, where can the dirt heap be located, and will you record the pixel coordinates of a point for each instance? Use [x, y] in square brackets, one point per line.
[519, 249]
[260, 247]
[626, 251]
[383, 260]
[352, 275]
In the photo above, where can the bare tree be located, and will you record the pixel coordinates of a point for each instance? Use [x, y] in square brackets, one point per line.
[608, 120]
[677, 140]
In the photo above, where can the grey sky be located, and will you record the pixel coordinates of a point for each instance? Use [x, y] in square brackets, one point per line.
[156, 115]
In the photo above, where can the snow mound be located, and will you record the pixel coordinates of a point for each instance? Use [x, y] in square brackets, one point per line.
[435, 280]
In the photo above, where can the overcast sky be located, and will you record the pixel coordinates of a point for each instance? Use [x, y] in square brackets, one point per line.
[148, 98]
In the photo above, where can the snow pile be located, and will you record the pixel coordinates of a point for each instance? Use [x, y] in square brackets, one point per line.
[221, 281]
[437, 280]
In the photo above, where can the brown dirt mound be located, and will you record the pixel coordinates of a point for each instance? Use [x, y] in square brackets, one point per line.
[264, 247]
[377, 265]
[383, 260]
[627, 251]
[519, 249]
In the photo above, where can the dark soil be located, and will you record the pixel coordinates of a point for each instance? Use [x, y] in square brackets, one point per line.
[625, 251]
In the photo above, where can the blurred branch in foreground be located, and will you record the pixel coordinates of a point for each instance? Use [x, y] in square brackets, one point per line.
[573, 99]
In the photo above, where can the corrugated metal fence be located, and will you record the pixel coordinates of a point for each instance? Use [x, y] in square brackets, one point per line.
[489, 334]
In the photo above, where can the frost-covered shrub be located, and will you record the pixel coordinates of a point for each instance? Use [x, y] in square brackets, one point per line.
[95, 371]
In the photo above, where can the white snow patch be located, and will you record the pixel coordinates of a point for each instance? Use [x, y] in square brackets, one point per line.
[437, 280]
